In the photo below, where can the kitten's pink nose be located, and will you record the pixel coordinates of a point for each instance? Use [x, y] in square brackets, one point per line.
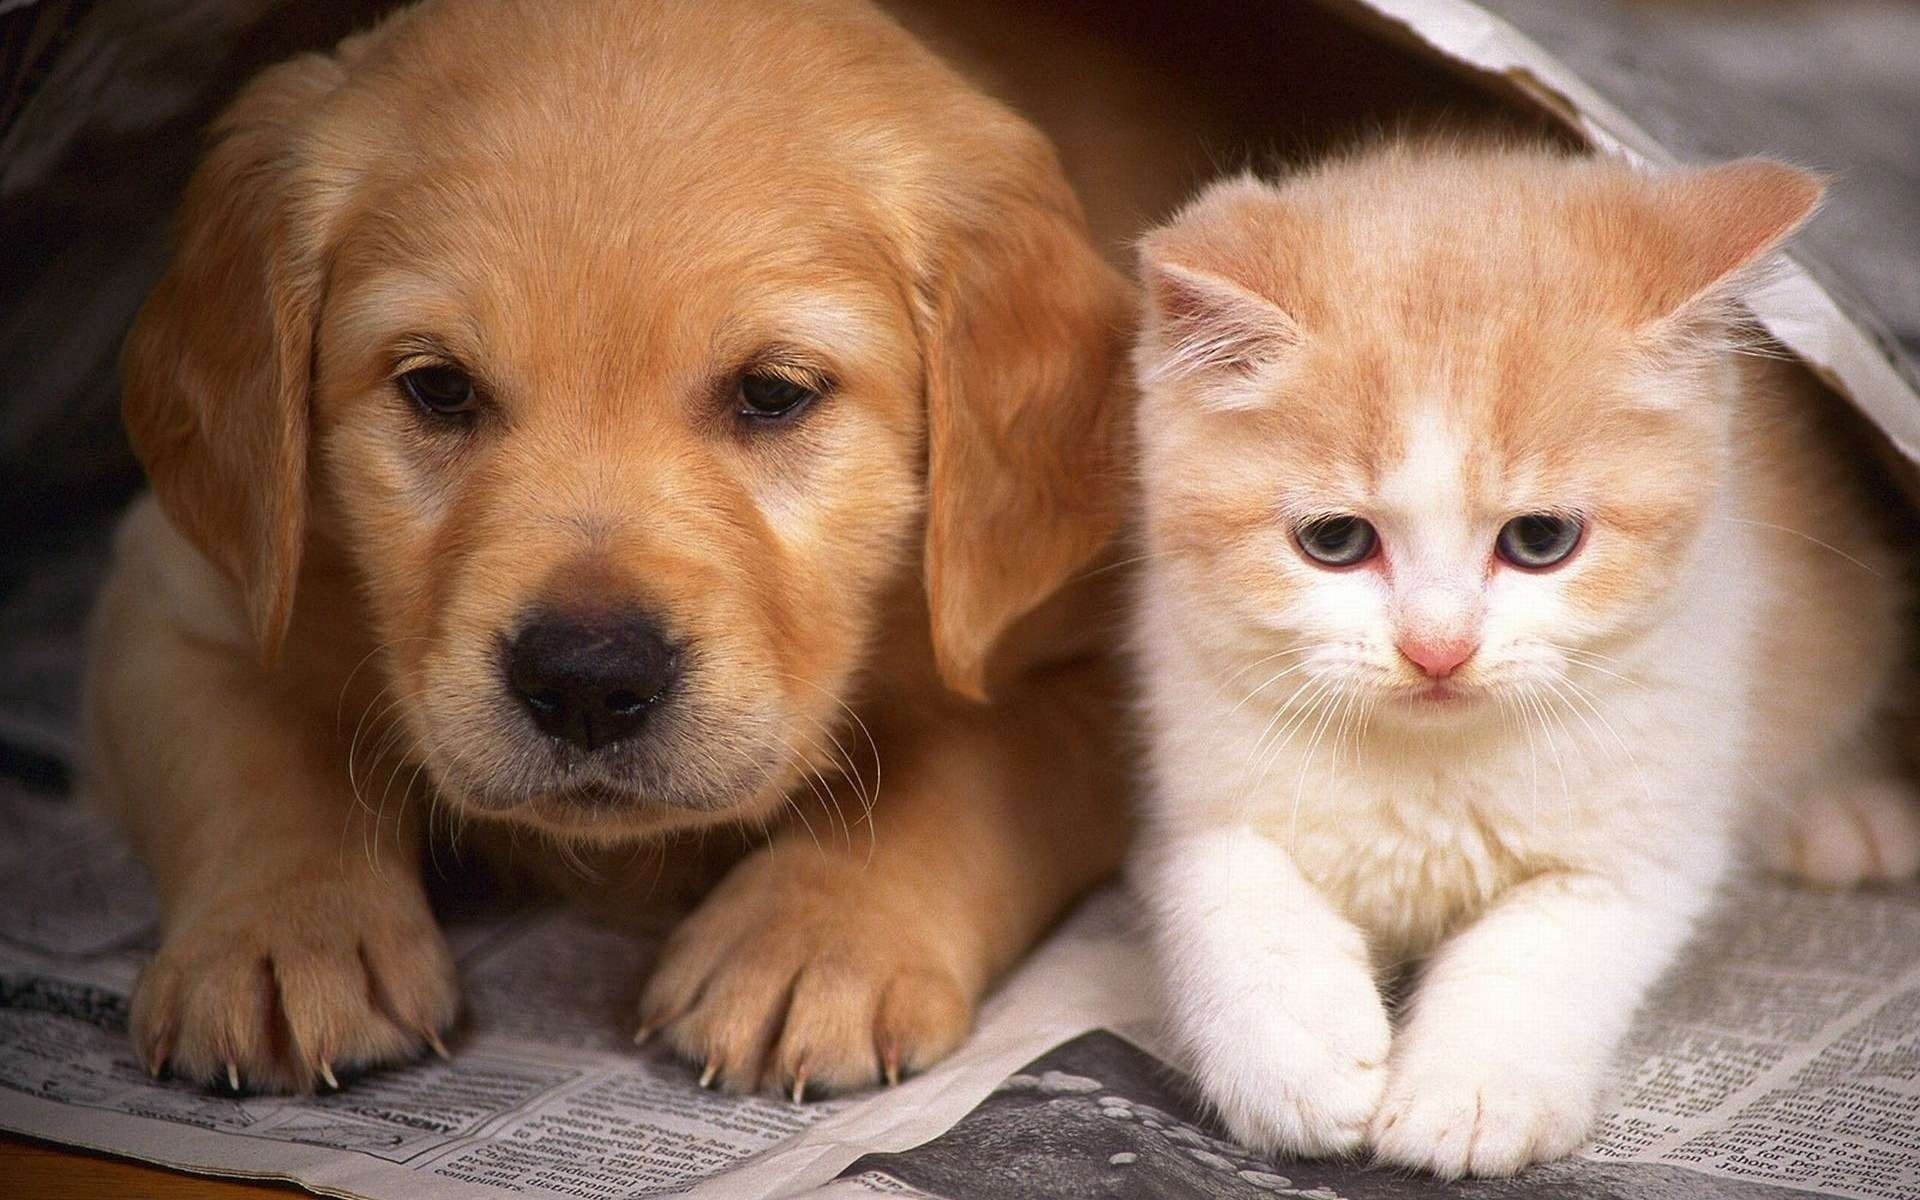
[1438, 657]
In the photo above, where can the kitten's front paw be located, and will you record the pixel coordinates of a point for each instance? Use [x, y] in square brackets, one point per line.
[1304, 1075]
[1456, 1111]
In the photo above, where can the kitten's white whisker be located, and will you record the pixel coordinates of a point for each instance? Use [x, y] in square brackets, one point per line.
[1626, 748]
[1272, 679]
[1148, 556]
[1262, 661]
[1284, 711]
[1321, 685]
[1877, 574]
[1552, 686]
[1524, 716]
[1349, 706]
[1322, 701]
[1553, 747]
[1590, 660]
[1336, 697]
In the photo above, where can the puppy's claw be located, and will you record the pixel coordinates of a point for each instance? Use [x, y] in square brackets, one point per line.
[233, 1077]
[326, 1073]
[706, 1076]
[154, 1058]
[890, 1065]
[644, 1034]
[800, 1086]
[436, 1045]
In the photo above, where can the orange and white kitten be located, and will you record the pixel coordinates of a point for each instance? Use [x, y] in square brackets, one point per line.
[1490, 594]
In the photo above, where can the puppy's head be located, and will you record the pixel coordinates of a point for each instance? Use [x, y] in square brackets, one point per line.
[637, 357]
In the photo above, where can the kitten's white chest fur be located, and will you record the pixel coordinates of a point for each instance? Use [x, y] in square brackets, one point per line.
[1487, 593]
[1408, 831]
[1408, 853]
[1300, 856]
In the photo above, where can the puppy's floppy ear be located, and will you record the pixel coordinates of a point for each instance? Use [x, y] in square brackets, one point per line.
[215, 371]
[1026, 407]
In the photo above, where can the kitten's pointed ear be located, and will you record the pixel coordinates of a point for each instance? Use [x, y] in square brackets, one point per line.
[1217, 284]
[1715, 223]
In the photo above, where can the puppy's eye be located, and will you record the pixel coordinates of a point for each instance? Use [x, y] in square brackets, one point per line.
[1537, 541]
[442, 390]
[1342, 541]
[765, 395]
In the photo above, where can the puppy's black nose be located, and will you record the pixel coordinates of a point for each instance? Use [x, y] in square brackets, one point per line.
[590, 678]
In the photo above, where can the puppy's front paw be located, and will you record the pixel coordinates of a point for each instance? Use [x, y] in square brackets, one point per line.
[283, 988]
[1459, 1110]
[797, 975]
[1302, 1075]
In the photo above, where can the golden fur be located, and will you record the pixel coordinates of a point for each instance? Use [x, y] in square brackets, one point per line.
[605, 212]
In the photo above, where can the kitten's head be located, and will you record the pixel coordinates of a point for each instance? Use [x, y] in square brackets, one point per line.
[1435, 423]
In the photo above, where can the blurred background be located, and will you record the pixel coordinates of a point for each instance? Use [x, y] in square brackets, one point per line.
[102, 105]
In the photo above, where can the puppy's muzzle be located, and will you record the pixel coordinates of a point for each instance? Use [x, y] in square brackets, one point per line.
[591, 679]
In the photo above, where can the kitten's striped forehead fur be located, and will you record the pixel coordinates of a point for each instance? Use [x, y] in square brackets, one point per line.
[1520, 759]
[1439, 338]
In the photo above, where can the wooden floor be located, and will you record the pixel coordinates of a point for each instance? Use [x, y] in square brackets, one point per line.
[31, 1170]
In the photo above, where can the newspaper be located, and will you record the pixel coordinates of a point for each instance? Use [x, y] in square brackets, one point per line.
[1780, 1057]
[544, 1095]
[1782, 1054]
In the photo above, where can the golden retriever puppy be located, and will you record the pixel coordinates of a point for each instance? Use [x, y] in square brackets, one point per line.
[611, 425]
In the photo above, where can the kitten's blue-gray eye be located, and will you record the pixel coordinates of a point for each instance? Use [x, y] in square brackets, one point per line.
[1337, 541]
[1537, 541]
